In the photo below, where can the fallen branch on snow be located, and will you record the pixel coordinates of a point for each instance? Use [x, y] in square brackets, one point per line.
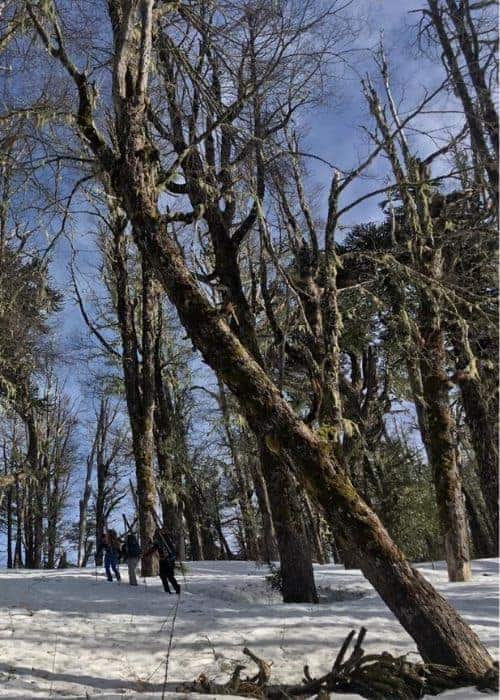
[375, 676]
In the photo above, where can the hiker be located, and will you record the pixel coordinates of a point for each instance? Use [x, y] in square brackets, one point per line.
[131, 553]
[110, 543]
[167, 555]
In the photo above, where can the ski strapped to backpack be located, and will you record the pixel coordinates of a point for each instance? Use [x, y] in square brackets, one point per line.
[126, 552]
[166, 541]
[169, 545]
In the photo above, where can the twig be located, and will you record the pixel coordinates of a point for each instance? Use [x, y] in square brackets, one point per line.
[171, 636]
[375, 676]
[53, 666]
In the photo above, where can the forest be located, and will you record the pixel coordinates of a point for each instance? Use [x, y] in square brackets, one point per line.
[249, 292]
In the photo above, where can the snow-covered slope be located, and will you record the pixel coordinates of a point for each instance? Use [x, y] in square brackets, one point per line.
[70, 633]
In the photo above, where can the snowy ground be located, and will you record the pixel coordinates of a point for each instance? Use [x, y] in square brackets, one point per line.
[68, 633]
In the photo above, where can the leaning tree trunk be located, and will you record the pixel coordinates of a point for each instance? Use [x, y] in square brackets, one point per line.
[440, 633]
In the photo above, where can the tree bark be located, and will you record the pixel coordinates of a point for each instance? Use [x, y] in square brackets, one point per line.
[480, 532]
[100, 517]
[269, 545]
[296, 571]
[249, 533]
[195, 539]
[320, 554]
[139, 386]
[18, 548]
[439, 434]
[83, 503]
[167, 434]
[8, 506]
[484, 438]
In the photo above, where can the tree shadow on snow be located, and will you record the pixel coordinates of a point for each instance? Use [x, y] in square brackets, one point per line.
[82, 679]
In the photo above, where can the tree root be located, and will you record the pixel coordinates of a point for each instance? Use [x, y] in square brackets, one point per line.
[375, 676]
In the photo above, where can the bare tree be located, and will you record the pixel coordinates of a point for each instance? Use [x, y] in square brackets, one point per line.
[129, 172]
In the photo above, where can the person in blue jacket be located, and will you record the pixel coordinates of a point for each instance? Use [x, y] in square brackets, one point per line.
[110, 543]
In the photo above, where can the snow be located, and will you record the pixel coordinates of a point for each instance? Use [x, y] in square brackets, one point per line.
[72, 634]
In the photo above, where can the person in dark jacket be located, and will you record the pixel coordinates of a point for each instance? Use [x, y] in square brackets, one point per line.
[167, 555]
[110, 543]
[131, 553]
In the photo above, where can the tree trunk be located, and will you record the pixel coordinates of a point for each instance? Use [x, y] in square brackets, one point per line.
[224, 545]
[53, 497]
[89, 546]
[439, 435]
[269, 545]
[146, 495]
[166, 436]
[472, 114]
[83, 503]
[210, 550]
[34, 522]
[484, 439]
[139, 382]
[100, 519]
[194, 533]
[181, 534]
[480, 532]
[313, 531]
[429, 383]
[295, 552]
[247, 516]
[469, 42]
[18, 548]
[8, 506]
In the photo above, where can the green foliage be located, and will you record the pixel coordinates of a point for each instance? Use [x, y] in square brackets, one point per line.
[406, 501]
[26, 302]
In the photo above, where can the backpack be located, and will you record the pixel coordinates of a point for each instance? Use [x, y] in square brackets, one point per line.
[165, 548]
[132, 546]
